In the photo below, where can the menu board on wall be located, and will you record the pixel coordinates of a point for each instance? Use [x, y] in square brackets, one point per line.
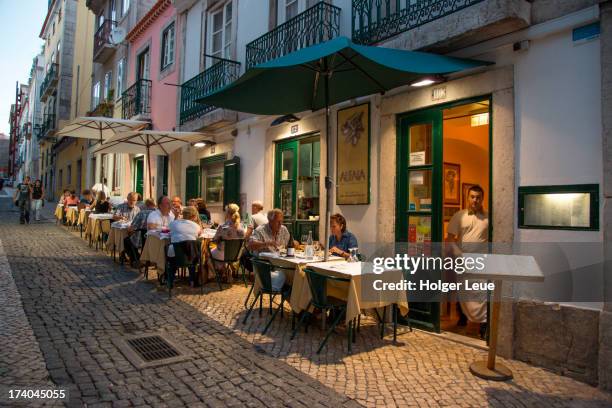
[353, 155]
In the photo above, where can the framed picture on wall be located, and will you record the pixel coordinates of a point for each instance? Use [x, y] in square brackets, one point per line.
[448, 212]
[353, 155]
[451, 179]
[465, 187]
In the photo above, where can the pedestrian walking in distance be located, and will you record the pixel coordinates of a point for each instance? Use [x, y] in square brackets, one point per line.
[22, 200]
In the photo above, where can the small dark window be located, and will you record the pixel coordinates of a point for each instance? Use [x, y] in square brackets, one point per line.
[167, 51]
[565, 207]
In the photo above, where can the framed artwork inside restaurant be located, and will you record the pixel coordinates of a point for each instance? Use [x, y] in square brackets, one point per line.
[448, 212]
[451, 179]
[353, 155]
[465, 187]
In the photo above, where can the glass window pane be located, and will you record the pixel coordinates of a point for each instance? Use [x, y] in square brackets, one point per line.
[308, 180]
[419, 190]
[217, 21]
[419, 228]
[286, 191]
[214, 188]
[287, 165]
[558, 210]
[228, 12]
[420, 144]
[216, 43]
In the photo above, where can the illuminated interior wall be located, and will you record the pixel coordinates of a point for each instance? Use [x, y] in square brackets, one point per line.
[469, 147]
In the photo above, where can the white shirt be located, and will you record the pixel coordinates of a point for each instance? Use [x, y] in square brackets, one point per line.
[259, 219]
[184, 230]
[101, 187]
[161, 221]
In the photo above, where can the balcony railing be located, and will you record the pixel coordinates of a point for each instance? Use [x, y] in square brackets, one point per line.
[50, 81]
[319, 23]
[136, 100]
[47, 127]
[105, 108]
[217, 76]
[102, 39]
[377, 20]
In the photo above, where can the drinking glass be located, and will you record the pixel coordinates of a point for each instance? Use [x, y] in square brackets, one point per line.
[304, 239]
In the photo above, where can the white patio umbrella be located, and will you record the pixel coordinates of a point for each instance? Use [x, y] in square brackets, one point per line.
[100, 128]
[150, 142]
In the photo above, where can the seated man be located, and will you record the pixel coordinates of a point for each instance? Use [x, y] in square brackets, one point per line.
[269, 237]
[128, 210]
[177, 207]
[87, 198]
[133, 241]
[162, 217]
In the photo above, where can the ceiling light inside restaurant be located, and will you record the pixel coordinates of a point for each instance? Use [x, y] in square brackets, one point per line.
[203, 143]
[479, 119]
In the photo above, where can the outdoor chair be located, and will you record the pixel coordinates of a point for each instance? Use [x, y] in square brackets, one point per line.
[231, 254]
[320, 299]
[187, 254]
[105, 227]
[263, 271]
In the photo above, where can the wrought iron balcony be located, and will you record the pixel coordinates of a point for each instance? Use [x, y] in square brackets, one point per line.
[319, 23]
[50, 82]
[377, 20]
[104, 109]
[47, 127]
[217, 76]
[102, 48]
[136, 100]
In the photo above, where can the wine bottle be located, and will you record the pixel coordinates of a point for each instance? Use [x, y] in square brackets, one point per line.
[309, 250]
[290, 247]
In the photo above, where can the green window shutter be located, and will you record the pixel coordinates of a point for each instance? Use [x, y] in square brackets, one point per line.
[193, 182]
[231, 181]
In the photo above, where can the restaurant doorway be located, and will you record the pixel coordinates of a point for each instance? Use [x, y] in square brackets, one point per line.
[442, 151]
[297, 184]
[139, 175]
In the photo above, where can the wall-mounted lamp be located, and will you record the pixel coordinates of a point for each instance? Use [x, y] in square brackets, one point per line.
[203, 143]
[285, 118]
[426, 81]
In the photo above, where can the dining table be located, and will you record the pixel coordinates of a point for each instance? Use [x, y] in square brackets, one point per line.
[95, 226]
[118, 232]
[82, 220]
[59, 212]
[72, 214]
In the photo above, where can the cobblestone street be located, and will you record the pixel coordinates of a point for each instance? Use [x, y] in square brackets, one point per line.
[64, 306]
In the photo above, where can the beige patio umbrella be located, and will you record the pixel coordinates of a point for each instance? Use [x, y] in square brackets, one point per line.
[151, 142]
[100, 128]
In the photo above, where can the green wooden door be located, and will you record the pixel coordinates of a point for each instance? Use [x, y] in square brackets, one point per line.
[419, 199]
[285, 181]
[139, 175]
[192, 187]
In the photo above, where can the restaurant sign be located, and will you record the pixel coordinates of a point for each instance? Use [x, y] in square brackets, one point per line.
[353, 155]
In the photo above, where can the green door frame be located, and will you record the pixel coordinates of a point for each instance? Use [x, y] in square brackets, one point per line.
[427, 315]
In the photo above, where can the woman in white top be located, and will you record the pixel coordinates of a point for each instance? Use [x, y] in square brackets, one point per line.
[185, 229]
[231, 229]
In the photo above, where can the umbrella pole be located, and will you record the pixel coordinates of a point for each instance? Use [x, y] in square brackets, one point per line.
[328, 183]
[149, 169]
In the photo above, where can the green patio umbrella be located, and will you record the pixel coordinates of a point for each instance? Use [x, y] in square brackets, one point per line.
[325, 74]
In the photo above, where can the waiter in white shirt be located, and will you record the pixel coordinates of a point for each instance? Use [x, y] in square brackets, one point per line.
[101, 187]
[468, 230]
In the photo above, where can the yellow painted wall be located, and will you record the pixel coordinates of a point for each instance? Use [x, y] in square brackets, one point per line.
[69, 157]
[83, 61]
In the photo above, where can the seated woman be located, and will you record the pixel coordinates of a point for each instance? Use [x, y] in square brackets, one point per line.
[71, 200]
[203, 211]
[101, 206]
[340, 240]
[64, 196]
[181, 230]
[231, 229]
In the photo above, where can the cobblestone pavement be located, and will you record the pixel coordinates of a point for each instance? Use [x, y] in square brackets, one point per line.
[78, 302]
[84, 301]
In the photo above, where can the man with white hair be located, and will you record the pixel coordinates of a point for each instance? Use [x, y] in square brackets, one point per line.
[258, 216]
[128, 210]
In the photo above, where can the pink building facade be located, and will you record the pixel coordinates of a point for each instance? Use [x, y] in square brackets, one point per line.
[152, 64]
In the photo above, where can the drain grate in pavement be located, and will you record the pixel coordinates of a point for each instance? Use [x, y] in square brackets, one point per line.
[151, 350]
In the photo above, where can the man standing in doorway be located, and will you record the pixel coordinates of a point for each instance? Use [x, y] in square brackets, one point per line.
[22, 200]
[468, 231]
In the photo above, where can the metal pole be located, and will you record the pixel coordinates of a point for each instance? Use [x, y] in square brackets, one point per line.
[328, 183]
[149, 168]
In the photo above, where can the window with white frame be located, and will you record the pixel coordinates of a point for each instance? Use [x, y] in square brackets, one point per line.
[220, 38]
[287, 9]
[95, 97]
[291, 9]
[108, 84]
[120, 74]
[167, 51]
